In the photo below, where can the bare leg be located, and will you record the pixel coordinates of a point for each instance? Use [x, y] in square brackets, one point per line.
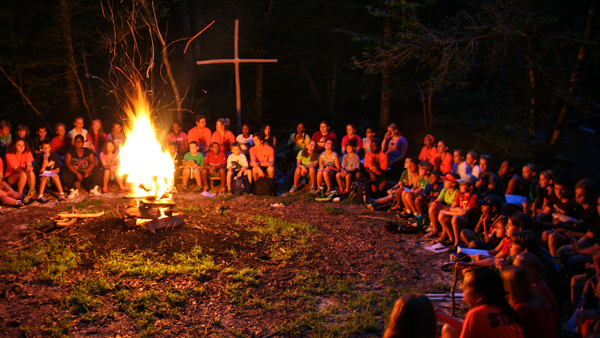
[222, 174]
[458, 223]
[43, 181]
[229, 175]
[105, 179]
[57, 183]
[271, 172]
[297, 175]
[248, 174]
[20, 179]
[185, 177]
[320, 178]
[328, 175]
[338, 178]
[312, 173]
[31, 180]
[199, 176]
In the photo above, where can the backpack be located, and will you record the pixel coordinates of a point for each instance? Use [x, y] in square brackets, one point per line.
[240, 186]
[264, 186]
[361, 188]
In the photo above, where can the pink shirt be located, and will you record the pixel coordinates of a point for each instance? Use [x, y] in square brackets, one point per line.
[356, 139]
[202, 139]
[181, 141]
[224, 141]
[107, 162]
[17, 161]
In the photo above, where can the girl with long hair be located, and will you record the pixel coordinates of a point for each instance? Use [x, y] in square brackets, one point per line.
[223, 136]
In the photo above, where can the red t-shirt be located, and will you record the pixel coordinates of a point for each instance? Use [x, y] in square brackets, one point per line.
[202, 140]
[538, 322]
[444, 164]
[468, 202]
[215, 160]
[378, 161]
[60, 146]
[224, 141]
[180, 141]
[489, 322]
[321, 139]
[17, 161]
[505, 245]
[428, 155]
[356, 139]
[262, 153]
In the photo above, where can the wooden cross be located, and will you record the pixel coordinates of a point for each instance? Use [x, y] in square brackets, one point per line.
[236, 61]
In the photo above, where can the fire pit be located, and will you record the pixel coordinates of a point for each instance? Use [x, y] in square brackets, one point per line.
[152, 213]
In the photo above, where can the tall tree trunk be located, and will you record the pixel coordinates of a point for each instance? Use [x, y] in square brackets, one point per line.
[429, 125]
[87, 76]
[260, 70]
[574, 78]
[384, 111]
[65, 23]
[165, 56]
[187, 67]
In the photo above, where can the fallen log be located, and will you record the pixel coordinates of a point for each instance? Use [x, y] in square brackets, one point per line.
[81, 215]
[66, 222]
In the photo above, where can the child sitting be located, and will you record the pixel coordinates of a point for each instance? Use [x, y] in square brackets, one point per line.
[443, 202]
[48, 163]
[463, 213]
[116, 135]
[329, 165]
[214, 165]
[237, 165]
[5, 136]
[394, 194]
[262, 158]
[350, 167]
[370, 134]
[471, 160]
[96, 137]
[351, 136]
[42, 136]
[429, 151]
[376, 165]
[485, 236]
[178, 137]
[444, 160]
[10, 197]
[410, 182]
[307, 161]
[245, 140]
[19, 166]
[408, 197]
[60, 143]
[193, 162]
[460, 167]
[81, 167]
[110, 164]
[428, 195]
[23, 133]
[412, 316]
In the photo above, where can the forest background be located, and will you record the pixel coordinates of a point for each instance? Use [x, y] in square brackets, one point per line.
[517, 79]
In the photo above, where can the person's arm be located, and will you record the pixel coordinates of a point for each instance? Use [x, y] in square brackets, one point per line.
[91, 165]
[274, 142]
[481, 224]
[443, 317]
[495, 251]
[587, 251]
[69, 165]
[222, 165]
[511, 187]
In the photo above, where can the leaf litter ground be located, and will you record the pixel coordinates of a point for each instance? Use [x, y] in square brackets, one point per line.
[238, 267]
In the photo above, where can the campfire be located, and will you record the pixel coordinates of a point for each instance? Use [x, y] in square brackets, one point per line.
[149, 170]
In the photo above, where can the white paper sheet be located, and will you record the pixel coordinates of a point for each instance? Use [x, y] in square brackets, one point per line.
[208, 194]
[47, 174]
[436, 248]
[565, 219]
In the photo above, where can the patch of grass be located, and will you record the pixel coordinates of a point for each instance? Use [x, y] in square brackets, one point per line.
[287, 238]
[194, 263]
[334, 211]
[146, 307]
[225, 198]
[242, 282]
[55, 257]
[56, 328]
[87, 206]
[81, 301]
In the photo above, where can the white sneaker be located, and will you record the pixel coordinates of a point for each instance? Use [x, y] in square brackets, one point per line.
[74, 193]
[96, 191]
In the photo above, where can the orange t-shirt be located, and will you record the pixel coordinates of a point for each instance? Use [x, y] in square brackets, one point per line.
[17, 161]
[428, 155]
[489, 322]
[224, 141]
[262, 154]
[202, 140]
[443, 164]
[376, 160]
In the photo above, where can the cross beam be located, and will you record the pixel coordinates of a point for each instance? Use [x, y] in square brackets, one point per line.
[236, 61]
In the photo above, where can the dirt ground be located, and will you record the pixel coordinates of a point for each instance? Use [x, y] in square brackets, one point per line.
[237, 267]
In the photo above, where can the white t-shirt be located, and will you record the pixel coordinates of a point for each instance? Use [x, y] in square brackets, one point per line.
[245, 143]
[476, 171]
[461, 169]
[237, 162]
[72, 133]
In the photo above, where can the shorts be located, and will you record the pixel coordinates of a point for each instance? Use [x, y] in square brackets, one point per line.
[381, 178]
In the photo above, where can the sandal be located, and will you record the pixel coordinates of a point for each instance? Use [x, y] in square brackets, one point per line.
[432, 234]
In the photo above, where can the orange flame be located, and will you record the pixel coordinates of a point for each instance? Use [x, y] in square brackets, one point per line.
[142, 157]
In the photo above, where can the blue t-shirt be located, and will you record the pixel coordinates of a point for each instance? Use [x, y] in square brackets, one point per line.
[431, 192]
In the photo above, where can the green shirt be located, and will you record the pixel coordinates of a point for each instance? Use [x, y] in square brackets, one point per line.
[446, 197]
[199, 158]
[305, 160]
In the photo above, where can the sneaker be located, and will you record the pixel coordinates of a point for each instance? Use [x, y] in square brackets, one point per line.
[42, 199]
[96, 191]
[406, 215]
[74, 193]
[61, 197]
[371, 207]
[313, 190]
[198, 189]
[184, 188]
[293, 190]
[29, 198]
[18, 204]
